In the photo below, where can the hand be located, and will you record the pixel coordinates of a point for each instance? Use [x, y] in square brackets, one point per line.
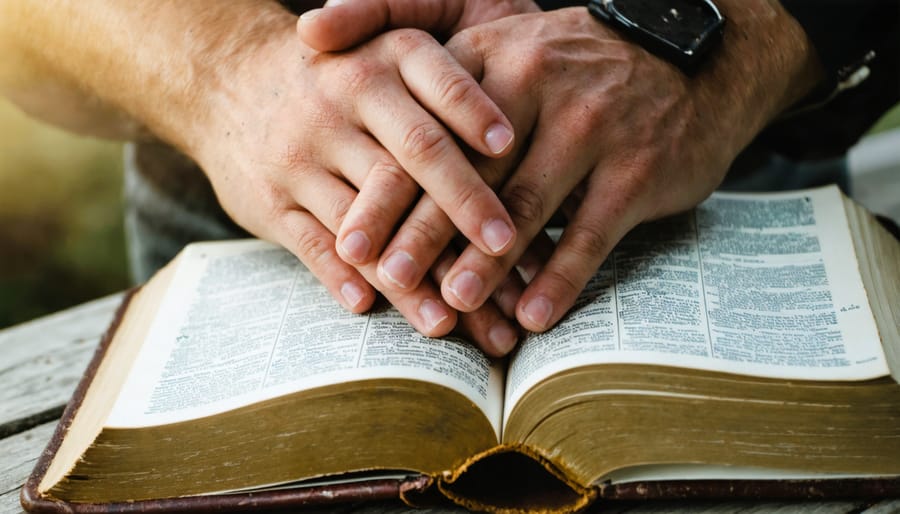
[638, 139]
[641, 139]
[377, 210]
[340, 25]
[295, 132]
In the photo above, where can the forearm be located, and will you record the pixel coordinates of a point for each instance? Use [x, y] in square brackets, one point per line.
[27, 30]
[120, 69]
[765, 65]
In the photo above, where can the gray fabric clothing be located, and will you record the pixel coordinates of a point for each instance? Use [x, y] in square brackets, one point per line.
[162, 216]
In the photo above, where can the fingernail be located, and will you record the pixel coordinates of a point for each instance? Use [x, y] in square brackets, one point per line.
[333, 3]
[356, 246]
[523, 273]
[538, 311]
[502, 337]
[467, 287]
[498, 137]
[496, 235]
[433, 313]
[401, 269]
[528, 271]
[310, 14]
[352, 293]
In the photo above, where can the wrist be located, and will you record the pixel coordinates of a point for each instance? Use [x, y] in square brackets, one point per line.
[764, 65]
[190, 91]
[476, 12]
[223, 75]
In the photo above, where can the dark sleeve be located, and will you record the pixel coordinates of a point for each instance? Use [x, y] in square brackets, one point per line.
[858, 43]
[844, 32]
[549, 5]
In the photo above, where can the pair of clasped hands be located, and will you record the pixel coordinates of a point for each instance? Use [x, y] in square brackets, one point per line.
[435, 167]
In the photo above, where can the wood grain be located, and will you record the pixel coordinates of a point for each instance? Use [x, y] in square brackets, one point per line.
[42, 361]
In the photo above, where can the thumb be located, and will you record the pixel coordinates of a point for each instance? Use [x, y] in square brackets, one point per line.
[342, 24]
[467, 54]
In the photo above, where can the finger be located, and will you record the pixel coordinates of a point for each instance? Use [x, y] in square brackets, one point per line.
[313, 244]
[419, 241]
[426, 231]
[448, 90]
[386, 193]
[587, 241]
[431, 156]
[545, 177]
[510, 290]
[423, 307]
[535, 256]
[327, 199]
[341, 25]
[487, 327]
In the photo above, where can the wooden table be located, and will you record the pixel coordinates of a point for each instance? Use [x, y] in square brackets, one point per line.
[41, 362]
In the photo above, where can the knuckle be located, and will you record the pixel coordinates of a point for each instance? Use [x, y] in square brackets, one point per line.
[322, 115]
[588, 242]
[425, 142]
[390, 179]
[465, 200]
[537, 62]
[271, 201]
[565, 280]
[388, 185]
[357, 76]
[524, 203]
[423, 233]
[385, 187]
[313, 248]
[339, 208]
[542, 56]
[464, 39]
[583, 122]
[455, 89]
[407, 40]
[634, 186]
[289, 156]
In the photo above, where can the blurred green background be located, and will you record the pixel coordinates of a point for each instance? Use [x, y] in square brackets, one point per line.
[61, 235]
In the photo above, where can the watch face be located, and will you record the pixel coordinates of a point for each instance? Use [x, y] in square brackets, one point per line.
[681, 23]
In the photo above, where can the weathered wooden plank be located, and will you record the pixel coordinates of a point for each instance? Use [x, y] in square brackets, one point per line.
[18, 454]
[41, 362]
[884, 507]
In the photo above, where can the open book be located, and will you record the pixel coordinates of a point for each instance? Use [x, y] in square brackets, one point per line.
[753, 339]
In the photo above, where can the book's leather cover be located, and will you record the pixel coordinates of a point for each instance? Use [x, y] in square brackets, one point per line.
[473, 485]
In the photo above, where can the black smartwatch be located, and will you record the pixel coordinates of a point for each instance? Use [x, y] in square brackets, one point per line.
[679, 31]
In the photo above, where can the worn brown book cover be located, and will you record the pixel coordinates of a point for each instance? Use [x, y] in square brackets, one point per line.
[748, 349]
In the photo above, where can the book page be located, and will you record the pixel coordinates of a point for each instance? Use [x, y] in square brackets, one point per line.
[245, 321]
[764, 285]
[674, 472]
